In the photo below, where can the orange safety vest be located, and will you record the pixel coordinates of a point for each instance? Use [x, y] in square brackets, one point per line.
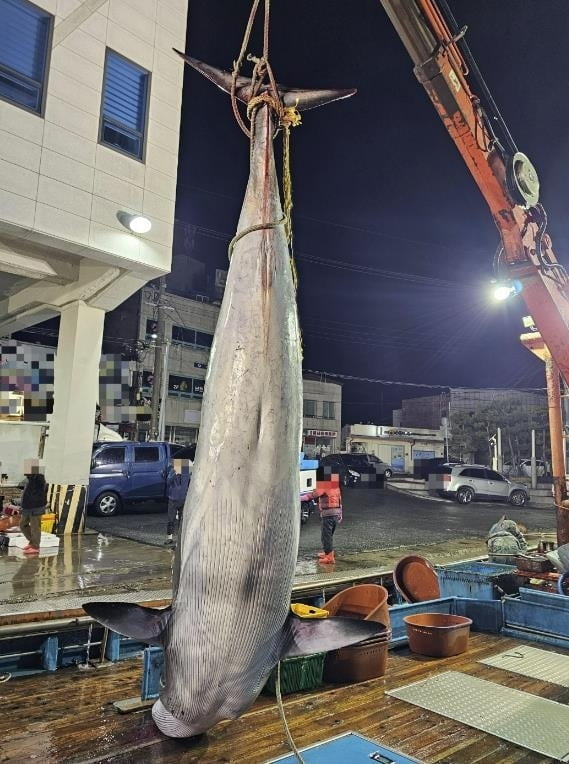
[329, 501]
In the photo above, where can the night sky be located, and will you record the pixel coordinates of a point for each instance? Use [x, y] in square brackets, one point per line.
[394, 242]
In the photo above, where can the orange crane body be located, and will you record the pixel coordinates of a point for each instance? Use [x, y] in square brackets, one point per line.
[510, 186]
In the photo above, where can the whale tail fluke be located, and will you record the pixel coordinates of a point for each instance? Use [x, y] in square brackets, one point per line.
[303, 100]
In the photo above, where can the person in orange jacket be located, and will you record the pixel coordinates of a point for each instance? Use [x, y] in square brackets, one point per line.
[330, 507]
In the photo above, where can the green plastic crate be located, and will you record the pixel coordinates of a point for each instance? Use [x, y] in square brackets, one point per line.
[303, 673]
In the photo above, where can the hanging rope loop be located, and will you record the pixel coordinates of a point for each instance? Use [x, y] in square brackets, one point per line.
[264, 91]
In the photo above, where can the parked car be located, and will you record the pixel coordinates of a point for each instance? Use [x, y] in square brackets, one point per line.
[348, 476]
[469, 482]
[361, 460]
[127, 472]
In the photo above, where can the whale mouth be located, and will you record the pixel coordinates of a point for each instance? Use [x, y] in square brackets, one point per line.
[172, 727]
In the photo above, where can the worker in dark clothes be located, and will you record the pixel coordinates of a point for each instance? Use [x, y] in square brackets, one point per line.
[33, 505]
[330, 506]
[177, 484]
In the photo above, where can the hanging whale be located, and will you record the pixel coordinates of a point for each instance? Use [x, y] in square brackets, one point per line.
[230, 621]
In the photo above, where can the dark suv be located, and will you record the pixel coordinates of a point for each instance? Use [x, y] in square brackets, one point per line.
[348, 475]
[363, 461]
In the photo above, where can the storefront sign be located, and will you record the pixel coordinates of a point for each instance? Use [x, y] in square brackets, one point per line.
[321, 433]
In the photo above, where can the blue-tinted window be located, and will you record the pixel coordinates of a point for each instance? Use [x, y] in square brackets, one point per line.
[25, 32]
[125, 98]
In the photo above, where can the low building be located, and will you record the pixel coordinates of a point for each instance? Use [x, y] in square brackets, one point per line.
[322, 415]
[396, 446]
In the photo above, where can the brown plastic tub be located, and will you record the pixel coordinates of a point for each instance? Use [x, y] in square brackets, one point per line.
[363, 601]
[437, 634]
[358, 663]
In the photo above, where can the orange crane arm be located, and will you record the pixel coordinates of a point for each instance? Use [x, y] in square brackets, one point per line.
[505, 176]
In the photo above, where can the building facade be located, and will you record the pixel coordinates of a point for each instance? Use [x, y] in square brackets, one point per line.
[189, 329]
[429, 410]
[90, 99]
[394, 445]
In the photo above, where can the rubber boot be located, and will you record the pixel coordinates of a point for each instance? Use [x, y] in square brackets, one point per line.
[328, 559]
[321, 555]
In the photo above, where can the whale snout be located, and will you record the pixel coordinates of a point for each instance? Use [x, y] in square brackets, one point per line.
[173, 727]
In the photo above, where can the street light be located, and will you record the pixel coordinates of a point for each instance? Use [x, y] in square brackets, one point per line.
[502, 290]
[134, 223]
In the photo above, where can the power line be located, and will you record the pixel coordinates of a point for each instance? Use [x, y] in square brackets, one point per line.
[353, 378]
[332, 223]
[410, 278]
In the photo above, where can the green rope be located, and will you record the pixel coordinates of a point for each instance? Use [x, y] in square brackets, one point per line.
[252, 229]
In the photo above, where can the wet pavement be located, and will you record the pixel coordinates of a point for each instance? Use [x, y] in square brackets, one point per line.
[379, 528]
[373, 519]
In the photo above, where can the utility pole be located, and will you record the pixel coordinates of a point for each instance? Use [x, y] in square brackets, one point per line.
[164, 392]
[158, 361]
[499, 459]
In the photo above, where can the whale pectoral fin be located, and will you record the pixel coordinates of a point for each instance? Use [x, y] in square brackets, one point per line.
[306, 636]
[142, 623]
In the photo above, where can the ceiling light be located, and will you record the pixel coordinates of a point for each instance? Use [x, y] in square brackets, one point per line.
[135, 223]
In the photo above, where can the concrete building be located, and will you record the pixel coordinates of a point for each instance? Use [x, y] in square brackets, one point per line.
[393, 445]
[90, 96]
[429, 410]
[322, 415]
[190, 326]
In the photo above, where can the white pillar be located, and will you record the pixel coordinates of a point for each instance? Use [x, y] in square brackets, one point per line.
[76, 391]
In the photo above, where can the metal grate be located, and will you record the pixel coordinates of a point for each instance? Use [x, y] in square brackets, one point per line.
[536, 723]
[533, 662]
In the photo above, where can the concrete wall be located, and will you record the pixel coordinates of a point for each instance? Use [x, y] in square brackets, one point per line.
[58, 186]
[18, 441]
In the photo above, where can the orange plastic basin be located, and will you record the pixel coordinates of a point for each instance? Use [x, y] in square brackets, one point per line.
[437, 634]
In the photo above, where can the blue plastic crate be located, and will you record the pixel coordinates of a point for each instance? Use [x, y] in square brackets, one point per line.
[475, 580]
[350, 748]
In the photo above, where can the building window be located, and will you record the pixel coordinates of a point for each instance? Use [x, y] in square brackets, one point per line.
[151, 329]
[25, 34]
[191, 337]
[125, 101]
[309, 408]
[328, 410]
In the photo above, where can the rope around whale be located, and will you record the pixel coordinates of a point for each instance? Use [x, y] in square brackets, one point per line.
[280, 706]
[287, 117]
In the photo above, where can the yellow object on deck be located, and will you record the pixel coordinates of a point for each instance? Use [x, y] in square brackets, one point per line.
[47, 523]
[308, 611]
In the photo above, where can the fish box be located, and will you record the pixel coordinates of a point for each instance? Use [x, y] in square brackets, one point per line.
[297, 674]
[477, 580]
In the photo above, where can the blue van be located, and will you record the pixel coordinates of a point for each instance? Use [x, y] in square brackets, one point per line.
[126, 472]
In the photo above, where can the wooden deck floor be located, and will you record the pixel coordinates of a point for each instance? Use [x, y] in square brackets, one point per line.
[68, 717]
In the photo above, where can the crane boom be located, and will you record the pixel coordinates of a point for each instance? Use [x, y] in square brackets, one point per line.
[508, 181]
[505, 176]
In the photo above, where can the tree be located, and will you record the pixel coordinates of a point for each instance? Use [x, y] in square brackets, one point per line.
[471, 431]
